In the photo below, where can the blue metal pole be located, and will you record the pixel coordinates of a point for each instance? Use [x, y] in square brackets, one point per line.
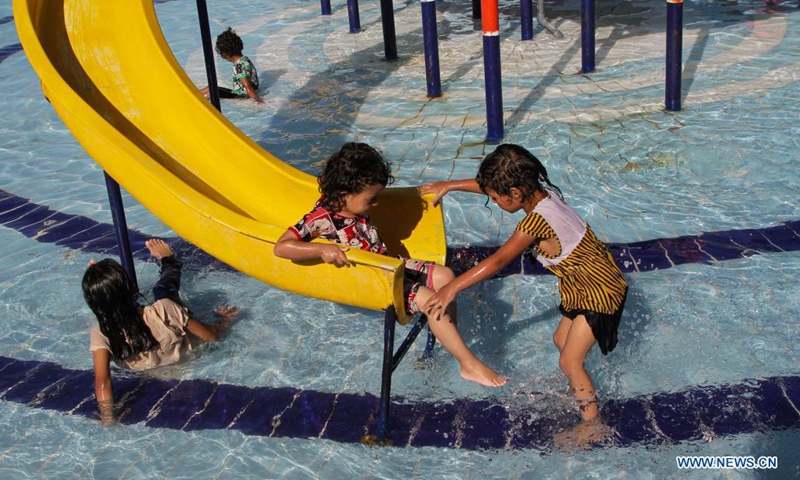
[491, 70]
[429, 345]
[587, 36]
[674, 55]
[431, 42]
[353, 15]
[404, 347]
[526, 18]
[208, 54]
[120, 226]
[389, 36]
[476, 9]
[494, 89]
[325, 5]
[386, 374]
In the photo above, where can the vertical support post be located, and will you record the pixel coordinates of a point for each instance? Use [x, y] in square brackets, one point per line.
[587, 36]
[491, 67]
[325, 6]
[476, 9]
[389, 36]
[354, 16]
[674, 55]
[526, 18]
[429, 345]
[120, 226]
[386, 375]
[208, 54]
[431, 43]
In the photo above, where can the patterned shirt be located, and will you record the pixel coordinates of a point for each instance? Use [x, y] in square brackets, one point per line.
[357, 232]
[588, 278]
[243, 68]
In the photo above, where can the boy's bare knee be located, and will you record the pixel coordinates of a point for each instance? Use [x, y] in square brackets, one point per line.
[442, 276]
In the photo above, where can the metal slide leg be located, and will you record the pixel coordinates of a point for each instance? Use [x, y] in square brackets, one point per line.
[208, 54]
[429, 345]
[386, 375]
[120, 226]
[391, 360]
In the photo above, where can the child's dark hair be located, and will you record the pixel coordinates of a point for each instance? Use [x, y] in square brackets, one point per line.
[511, 166]
[228, 43]
[354, 168]
[110, 292]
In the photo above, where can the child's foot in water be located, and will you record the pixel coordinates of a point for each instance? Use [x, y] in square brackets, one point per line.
[158, 248]
[484, 375]
[586, 433]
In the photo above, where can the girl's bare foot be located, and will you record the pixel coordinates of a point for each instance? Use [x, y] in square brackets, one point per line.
[158, 248]
[586, 433]
[484, 375]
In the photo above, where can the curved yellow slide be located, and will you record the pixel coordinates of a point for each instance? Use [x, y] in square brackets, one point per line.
[109, 73]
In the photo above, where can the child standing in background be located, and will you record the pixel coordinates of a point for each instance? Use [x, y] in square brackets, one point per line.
[350, 184]
[592, 287]
[245, 76]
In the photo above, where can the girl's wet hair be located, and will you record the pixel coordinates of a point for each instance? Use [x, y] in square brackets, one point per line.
[511, 166]
[351, 170]
[228, 43]
[110, 294]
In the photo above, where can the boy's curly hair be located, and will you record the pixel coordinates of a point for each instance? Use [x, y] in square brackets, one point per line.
[229, 44]
[351, 170]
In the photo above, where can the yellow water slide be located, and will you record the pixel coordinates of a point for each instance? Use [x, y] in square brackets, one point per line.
[109, 73]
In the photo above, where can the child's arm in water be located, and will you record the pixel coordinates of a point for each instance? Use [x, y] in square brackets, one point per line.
[484, 270]
[102, 386]
[441, 188]
[212, 332]
[251, 92]
[290, 247]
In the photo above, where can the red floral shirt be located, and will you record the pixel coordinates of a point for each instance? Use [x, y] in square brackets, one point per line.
[357, 232]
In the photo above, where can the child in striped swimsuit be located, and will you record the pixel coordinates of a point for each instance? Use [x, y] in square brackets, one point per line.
[592, 287]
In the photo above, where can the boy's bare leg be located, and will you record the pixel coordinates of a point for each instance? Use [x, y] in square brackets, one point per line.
[158, 248]
[446, 332]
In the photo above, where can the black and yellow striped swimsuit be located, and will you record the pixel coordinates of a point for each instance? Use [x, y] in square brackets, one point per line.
[588, 278]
